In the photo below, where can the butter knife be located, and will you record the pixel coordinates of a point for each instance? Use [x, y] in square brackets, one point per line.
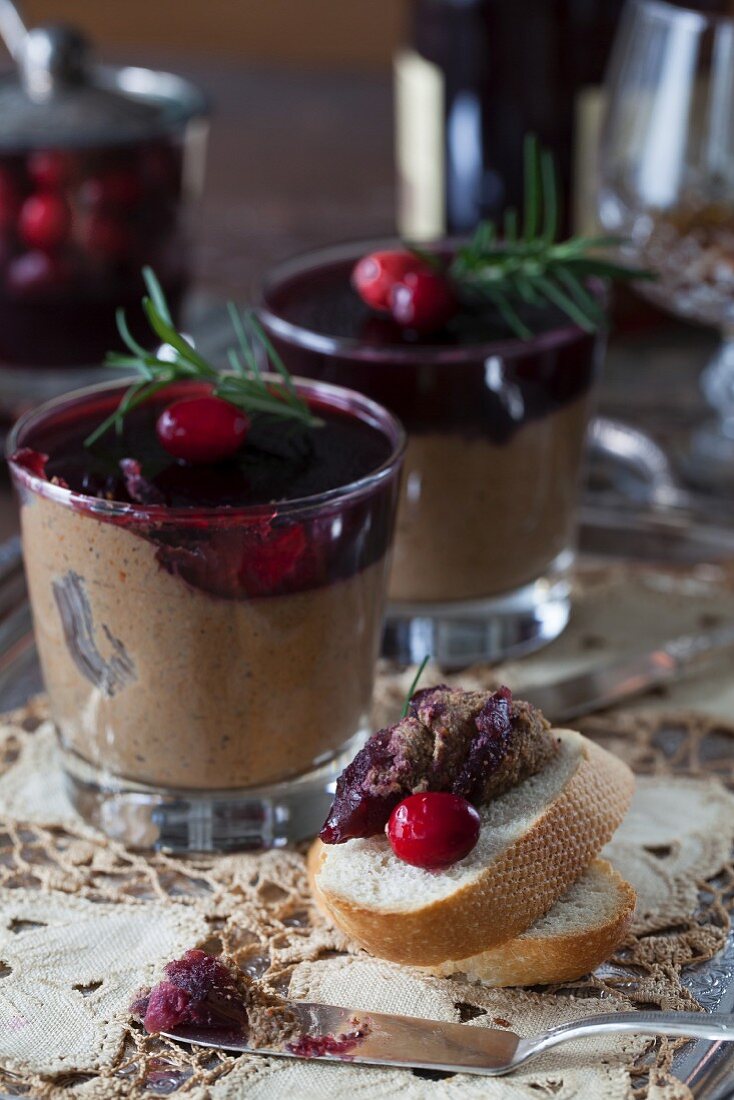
[329, 1033]
[608, 684]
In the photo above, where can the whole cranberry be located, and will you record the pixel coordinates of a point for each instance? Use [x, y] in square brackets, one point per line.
[120, 189]
[433, 830]
[375, 275]
[50, 169]
[45, 220]
[422, 300]
[37, 272]
[202, 429]
[9, 201]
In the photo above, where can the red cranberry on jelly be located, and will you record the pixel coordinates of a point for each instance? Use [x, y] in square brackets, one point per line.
[433, 830]
[45, 220]
[202, 429]
[422, 300]
[375, 275]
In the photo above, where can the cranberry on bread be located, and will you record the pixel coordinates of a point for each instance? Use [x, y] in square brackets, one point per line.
[548, 800]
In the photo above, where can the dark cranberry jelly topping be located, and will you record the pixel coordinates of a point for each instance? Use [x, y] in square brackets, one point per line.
[477, 378]
[324, 300]
[472, 744]
[487, 749]
[225, 552]
[278, 462]
[198, 991]
[206, 993]
[367, 791]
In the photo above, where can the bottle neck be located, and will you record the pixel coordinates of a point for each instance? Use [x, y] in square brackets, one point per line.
[476, 77]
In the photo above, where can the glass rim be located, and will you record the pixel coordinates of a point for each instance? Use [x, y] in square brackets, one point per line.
[683, 14]
[352, 348]
[336, 397]
[182, 101]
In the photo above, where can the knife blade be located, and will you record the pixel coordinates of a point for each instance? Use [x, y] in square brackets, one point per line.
[608, 684]
[384, 1040]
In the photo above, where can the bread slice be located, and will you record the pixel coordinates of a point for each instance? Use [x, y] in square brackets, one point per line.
[579, 933]
[535, 841]
[581, 930]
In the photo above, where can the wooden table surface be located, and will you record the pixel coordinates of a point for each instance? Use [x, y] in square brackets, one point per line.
[299, 158]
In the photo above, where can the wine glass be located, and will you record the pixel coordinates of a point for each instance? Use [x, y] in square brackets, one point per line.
[667, 186]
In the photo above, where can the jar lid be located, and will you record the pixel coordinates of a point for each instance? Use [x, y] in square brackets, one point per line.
[60, 98]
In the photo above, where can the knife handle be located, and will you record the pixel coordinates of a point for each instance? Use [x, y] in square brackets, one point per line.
[686, 1025]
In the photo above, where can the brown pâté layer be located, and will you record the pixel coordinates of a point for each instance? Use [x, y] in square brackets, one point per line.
[472, 743]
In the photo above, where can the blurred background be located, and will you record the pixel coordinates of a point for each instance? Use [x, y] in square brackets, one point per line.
[335, 33]
[333, 120]
[286, 80]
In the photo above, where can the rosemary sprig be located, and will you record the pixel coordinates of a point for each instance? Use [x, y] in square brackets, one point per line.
[177, 360]
[528, 265]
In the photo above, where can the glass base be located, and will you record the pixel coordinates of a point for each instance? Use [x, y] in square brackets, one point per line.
[183, 821]
[709, 462]
[462, 633]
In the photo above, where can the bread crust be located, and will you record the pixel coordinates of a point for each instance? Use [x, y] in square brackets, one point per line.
[515, 889]
[545, 960]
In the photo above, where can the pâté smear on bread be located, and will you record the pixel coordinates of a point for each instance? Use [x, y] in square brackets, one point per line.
[547, 800]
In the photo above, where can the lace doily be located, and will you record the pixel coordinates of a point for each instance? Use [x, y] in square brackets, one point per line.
[84, 922]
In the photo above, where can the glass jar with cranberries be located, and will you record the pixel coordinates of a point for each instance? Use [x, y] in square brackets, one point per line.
[96, 166]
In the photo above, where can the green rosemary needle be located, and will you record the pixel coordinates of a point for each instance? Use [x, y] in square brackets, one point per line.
[177, 360]
[413, 686]
[526, 265]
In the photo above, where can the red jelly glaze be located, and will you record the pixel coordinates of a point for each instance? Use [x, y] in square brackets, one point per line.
[45, 220]
[375, 275]
[33, 461]
[433, 830]
[317, 1046]
[273, 558]
[202, 429]
[167, 1007]
[422, 300]
[222, 551]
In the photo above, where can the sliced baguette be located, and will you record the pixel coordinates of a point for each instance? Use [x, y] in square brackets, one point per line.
[581, 930]
[535, 841]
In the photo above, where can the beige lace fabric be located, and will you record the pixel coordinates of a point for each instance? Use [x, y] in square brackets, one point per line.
[84, 923]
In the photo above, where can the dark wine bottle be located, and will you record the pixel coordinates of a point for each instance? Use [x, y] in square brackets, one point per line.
[473, 79]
